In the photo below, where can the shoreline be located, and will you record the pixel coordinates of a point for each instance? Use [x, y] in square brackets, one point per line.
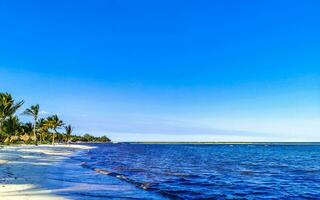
[23, 169]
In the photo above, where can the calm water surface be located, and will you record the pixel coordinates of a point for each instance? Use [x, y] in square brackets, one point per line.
[151, 171]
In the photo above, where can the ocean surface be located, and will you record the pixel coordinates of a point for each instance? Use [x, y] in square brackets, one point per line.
[187, 171]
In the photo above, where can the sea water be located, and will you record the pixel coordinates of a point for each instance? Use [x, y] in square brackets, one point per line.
[189, 171]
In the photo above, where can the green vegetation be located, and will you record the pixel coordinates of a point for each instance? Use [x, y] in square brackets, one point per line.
[41, 130]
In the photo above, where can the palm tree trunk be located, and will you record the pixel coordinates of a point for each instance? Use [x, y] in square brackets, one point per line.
[34, 132]
[41, 138]
[53, 136]
[66, 139]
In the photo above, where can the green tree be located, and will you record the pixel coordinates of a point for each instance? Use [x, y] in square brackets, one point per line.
[34, 112]
[43, 129]
[11, 126]
[88, 138]
[68, 130]
[26, 128]
[103, 139]
[8, 107]
[54, 123]
[11, 129]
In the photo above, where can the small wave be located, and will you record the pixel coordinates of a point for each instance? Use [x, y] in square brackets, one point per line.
[86, 165]
[119, 176]
[146, 185]
[103, 171]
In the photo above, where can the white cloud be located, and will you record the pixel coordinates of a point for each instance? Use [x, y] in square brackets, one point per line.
[44, 112]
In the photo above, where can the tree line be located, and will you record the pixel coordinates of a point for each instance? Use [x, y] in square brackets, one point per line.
[40, 130]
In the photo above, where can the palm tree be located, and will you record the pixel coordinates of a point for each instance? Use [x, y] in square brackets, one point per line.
[7, 106]
[43, 128]
[26, 131]
[7, 109]
[11, 126]
[34, 112]
[26, 128]
[54, 123]
[68, 130]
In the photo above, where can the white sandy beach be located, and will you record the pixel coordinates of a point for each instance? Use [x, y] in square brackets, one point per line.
[22, 168]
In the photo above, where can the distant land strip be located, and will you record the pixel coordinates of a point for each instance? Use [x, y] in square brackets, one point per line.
[232, 143]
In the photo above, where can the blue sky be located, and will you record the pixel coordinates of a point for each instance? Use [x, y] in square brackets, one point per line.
[168, 70]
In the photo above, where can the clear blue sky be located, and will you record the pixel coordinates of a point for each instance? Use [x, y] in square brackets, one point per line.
[168, 70]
